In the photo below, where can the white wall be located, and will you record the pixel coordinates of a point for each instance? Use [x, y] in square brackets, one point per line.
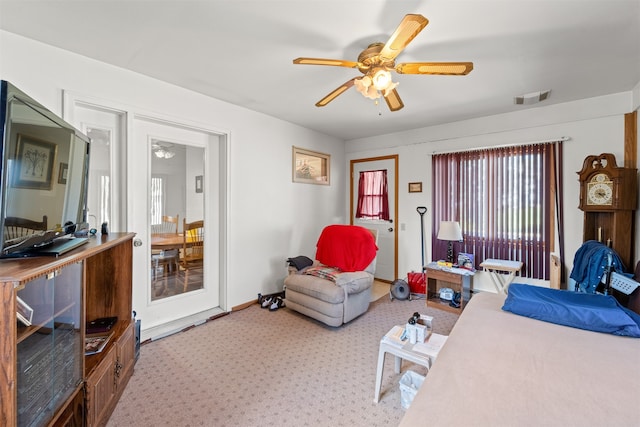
[270, 218]
[594, 126]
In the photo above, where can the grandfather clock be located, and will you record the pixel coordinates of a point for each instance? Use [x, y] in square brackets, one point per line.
[608, 198]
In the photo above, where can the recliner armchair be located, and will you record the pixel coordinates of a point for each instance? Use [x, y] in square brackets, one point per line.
[337, 287]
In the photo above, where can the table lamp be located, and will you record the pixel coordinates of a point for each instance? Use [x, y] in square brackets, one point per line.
[450, 231]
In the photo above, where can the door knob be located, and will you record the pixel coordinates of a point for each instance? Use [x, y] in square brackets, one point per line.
[390, 229]
[137, 242]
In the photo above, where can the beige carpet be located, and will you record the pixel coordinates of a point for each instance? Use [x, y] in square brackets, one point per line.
[254, 367]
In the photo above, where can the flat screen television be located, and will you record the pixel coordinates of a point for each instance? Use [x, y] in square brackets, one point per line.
[43, 178]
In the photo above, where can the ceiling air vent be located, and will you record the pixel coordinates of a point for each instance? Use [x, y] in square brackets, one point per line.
[531, 98]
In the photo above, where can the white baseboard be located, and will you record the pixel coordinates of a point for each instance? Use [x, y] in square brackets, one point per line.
[169, 328]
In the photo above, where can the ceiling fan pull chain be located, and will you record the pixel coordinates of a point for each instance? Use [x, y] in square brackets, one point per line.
[377, 102]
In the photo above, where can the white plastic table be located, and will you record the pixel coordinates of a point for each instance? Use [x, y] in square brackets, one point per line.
[501, 281]
[425, 357]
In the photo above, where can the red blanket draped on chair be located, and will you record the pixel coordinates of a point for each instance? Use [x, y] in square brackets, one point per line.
[347, 247]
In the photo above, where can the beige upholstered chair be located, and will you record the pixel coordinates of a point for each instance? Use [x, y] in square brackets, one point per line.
[331, 295]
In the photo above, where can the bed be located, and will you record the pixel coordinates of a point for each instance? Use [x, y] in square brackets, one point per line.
[503, 369]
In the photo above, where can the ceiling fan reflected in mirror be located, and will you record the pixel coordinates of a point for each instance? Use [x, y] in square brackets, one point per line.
[162, 150]
[378, 60]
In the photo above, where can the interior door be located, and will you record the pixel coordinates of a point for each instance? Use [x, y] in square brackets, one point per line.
[166, 315]
[387, 259]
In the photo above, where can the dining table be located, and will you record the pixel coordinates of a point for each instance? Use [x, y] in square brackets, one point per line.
[166, 241]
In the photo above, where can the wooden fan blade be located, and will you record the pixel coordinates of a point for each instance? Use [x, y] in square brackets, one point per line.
[321, 61]
[410, 26]
[393, 100]
[441, 68]
[333, 95]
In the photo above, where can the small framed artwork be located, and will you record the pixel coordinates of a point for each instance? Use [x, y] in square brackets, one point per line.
[199, 184]
[34, 163]
[311, 167]
[62, 173]
[23, 312]
[415, 187]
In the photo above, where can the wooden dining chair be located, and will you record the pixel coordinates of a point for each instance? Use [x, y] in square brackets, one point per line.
[15, 227]
[192, 248]
[166, 260]
[168, 225]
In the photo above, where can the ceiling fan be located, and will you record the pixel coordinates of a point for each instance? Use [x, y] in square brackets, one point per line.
[377, 60]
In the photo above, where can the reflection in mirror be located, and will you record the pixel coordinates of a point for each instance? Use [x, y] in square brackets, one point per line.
[99, 198]
[176, 204]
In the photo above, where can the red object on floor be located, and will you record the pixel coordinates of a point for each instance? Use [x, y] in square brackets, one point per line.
[417, 282]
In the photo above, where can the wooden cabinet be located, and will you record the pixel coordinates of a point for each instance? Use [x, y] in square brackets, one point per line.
[106, 382]
[47, 302]
[101, 388]
[459, 280]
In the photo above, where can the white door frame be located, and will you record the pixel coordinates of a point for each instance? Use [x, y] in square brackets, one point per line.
[352, 195]
[170, 315]
[217, 177]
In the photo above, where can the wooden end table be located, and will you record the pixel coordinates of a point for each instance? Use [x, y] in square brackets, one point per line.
[458, 279]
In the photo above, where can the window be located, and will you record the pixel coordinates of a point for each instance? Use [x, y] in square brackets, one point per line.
[157, 199]
[373, 195]
[105, 196]
[504, 200]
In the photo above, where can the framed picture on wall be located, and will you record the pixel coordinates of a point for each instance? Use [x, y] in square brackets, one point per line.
[415, 187]
[311, 167]
[62, 173]
[34, 163]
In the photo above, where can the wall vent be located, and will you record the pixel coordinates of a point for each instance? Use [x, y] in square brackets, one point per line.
[531, 98]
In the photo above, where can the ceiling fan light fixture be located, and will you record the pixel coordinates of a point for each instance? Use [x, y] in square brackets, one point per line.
[162, 150]
[372, 93]
[389, 88]
[362, 84]
[162, 153]
[375, 83]
[365, 87]
[381, 78]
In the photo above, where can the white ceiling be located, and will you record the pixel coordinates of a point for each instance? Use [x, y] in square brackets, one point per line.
[241, 52]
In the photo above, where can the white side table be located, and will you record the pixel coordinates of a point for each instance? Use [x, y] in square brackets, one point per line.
[421, 353]
[501, 281]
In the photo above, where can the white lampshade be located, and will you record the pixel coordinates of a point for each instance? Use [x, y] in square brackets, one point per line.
[450, 230]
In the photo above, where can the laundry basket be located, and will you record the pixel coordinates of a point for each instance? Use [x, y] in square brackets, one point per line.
[410, 382]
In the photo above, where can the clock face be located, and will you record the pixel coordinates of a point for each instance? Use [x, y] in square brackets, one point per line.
[600, 190]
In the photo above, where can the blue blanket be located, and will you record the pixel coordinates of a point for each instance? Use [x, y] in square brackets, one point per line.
[593, 312]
